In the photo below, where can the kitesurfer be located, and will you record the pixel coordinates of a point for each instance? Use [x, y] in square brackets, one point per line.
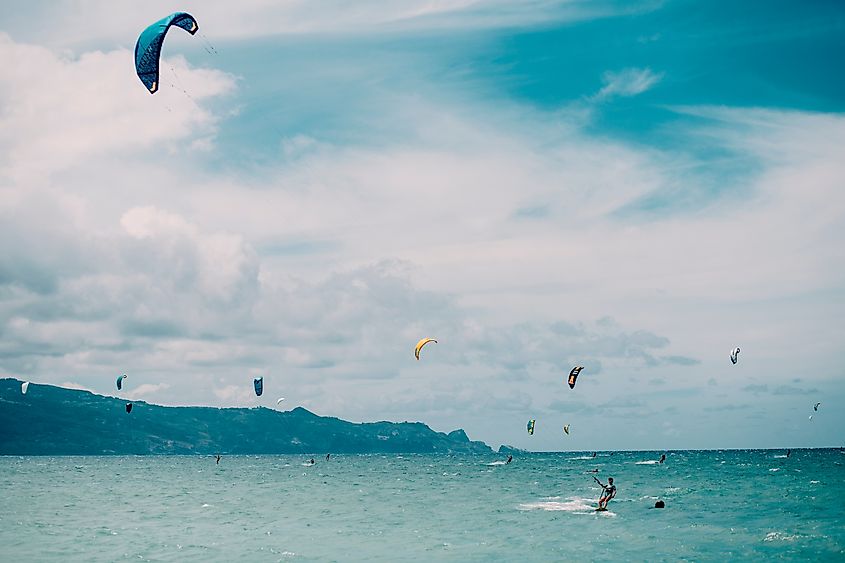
[218, 459]
[608, 492]
[659, 504]
[788, 452]
[510, 459]
[328, 456]
[594, 454]
[312, 461]
[662, 458]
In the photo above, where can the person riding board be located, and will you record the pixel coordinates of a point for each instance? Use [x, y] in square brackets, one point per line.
[510, 459]
[608, 492]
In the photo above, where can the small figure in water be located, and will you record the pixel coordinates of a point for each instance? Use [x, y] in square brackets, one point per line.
[328, 456]
[660, 504]
[218, 459]
[596, 470]
[510, 459]
[608, 492]
[662, 458]
[312, 461]
[594, 454]
[788, 453]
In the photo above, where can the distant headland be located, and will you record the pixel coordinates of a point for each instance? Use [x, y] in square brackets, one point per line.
[50, 420]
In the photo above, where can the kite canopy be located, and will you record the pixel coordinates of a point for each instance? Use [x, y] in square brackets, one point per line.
[420, 345]
[573, 376]
[258, 383]
[531, 427]
[24, 387]
[816, 406]
[279, 402]
[119, 381]
[734, 355]
[148, 47]
[566, 429]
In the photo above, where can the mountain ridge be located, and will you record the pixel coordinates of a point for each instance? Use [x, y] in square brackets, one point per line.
[52, 420]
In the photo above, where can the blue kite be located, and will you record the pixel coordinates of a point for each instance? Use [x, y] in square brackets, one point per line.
[148, 47]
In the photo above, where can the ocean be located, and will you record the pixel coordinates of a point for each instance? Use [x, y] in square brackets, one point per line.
[732, 504]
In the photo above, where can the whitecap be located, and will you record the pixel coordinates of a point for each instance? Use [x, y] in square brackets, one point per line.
[773, 469]
[575, 505]
[647, 462]
[779, 536]
[499, 462]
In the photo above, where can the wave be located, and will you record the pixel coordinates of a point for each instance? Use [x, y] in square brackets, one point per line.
[647, 462]
[575, 505]
[780, 536]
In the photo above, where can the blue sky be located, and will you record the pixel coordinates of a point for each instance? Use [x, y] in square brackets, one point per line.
[632, 187]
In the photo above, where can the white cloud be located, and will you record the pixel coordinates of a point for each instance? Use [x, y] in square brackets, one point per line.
[146, 389]
[128, 261]
[66, 22]
[221, 265]
[627, 82]
[63, 110]
[234, 394]
[76, 386]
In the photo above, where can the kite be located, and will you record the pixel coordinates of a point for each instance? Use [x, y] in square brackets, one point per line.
[734, 355]
[420, 345]
[148, 47]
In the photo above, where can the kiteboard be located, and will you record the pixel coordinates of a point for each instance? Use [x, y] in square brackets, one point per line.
[601, 510]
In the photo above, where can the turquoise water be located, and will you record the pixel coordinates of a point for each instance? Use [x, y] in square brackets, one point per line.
[719, 505]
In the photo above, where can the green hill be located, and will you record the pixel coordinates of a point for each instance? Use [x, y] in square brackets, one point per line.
[52, 420]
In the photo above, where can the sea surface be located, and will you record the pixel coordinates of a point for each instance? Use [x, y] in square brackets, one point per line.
[720, 505]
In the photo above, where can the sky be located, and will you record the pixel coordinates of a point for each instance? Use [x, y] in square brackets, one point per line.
[634, 187]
